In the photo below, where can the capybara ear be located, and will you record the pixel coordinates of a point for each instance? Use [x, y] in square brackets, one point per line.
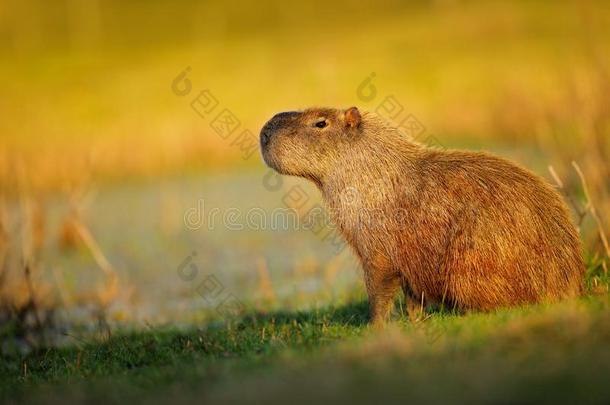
[352, 117]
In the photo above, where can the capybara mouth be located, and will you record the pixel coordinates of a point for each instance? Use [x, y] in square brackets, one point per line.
[268, 158]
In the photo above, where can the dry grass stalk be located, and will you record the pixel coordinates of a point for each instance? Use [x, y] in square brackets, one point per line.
[583, 211]
[265, 286]
[69, 238]
[29, 252]
[3, 241]
[111, 288]
[576, 206]
[25, 299]
[591, 208]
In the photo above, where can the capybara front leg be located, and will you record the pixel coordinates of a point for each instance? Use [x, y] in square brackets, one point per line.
[413, 305]
[381, 291]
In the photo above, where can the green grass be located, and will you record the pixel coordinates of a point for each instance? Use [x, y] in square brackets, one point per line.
[536, 353]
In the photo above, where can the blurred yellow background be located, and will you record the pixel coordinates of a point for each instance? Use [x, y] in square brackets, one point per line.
[86, 85]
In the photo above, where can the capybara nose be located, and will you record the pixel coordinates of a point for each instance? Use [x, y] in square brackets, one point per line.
[265, 136]
[273, 124]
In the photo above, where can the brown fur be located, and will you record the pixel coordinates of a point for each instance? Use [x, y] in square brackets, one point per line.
[467, 229]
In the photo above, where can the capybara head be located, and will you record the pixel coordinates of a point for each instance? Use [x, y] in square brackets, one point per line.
[307, 143]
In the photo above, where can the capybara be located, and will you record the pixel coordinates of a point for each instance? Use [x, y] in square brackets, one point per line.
[468, 230]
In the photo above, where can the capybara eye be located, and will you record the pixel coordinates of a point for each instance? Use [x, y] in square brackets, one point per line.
[321, 124]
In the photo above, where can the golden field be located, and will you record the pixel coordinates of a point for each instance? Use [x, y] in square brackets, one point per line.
[91, 101]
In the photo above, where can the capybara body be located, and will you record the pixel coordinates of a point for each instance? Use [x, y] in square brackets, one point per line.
[465, 229]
